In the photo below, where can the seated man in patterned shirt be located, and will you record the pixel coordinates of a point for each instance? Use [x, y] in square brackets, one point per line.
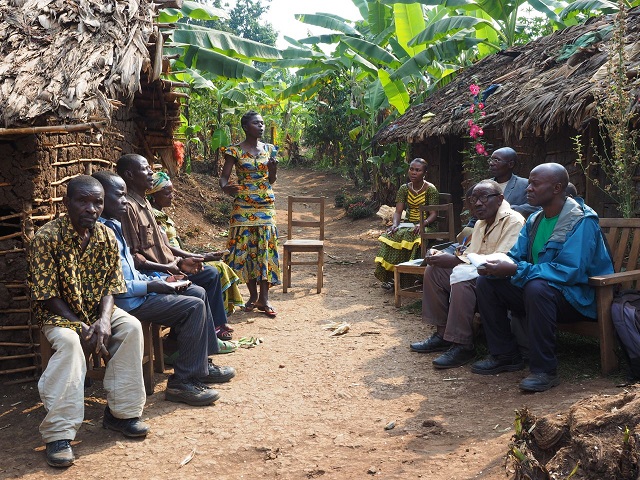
[74, 270]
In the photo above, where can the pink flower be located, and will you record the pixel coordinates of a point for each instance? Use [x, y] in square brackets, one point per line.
[480, 132]
[481, 105]
[480, 149]
[474, 89]
[470, 123]
[472, 109]
[482, 114]
[474, 130]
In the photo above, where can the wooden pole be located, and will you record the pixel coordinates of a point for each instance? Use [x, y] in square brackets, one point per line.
[16, 357]
[16, 370]
[18, 327]
[79, 127]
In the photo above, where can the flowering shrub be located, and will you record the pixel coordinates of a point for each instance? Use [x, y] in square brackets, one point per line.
[359, 210]
[475, 156]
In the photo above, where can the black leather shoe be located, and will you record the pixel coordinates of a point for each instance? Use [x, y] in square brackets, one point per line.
[218, 374]
[129, 427]
[456, 356]
[539, 382]
[60, 454]
[435, 343]
[501, 363]
[190, 392]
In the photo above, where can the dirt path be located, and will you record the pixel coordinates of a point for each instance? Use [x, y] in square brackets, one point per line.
[306, 405]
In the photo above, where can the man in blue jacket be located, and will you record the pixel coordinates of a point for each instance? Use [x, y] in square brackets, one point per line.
[557, 251]
[153, 299]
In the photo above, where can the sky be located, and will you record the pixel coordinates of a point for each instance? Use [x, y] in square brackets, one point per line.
[281, 16]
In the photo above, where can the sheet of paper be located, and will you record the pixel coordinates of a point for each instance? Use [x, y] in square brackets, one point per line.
[478, 259]
[406, 225]
[179, 283]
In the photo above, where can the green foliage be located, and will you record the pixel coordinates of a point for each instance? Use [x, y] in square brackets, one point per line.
[245, 21]
[331, 118]
[618, 157]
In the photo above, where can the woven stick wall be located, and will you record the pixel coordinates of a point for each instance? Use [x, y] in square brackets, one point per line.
[56, 159]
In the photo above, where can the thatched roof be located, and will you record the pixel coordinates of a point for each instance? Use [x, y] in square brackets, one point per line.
[69, 59]
[540, 93]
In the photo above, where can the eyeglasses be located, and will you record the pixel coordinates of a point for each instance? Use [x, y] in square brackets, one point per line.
[483, 198]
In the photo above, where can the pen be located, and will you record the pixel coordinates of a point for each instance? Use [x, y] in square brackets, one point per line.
[464, 241]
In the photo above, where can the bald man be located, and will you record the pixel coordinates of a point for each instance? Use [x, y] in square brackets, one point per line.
[557, 251]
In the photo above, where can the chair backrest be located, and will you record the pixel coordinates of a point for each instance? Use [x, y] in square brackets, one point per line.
[446, 225]
[309, 218]
[623, 237]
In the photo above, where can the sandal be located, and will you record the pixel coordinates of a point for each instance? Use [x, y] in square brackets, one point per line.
[226, 347]
[248, 307]
[268, 310]
[224, 333]
[387, 285]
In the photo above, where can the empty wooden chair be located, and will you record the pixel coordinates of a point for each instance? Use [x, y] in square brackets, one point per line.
[307, 220]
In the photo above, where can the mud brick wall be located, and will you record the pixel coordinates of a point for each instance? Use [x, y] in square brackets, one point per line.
[33, 176]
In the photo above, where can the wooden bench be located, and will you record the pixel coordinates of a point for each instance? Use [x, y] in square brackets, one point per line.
[623, 236]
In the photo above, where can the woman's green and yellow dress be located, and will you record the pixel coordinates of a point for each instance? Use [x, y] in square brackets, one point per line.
[404, 245]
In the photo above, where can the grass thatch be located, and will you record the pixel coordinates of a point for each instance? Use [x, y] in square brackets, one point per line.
[69, 58]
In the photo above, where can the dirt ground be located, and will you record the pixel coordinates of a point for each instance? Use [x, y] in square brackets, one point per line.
[305, 404]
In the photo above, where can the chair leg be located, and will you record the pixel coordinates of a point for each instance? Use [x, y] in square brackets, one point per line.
[158, 348]
[608, 359]
[147, 362]
[289, 256]
[285, 266]
[396, 288]
[320, 271]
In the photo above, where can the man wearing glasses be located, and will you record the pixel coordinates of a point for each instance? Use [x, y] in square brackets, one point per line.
[449, 296]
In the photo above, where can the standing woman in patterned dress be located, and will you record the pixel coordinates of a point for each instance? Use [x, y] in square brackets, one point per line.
[401, 244]
[253, 235]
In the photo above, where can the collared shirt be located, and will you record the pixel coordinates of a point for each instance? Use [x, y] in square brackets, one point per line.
[143, 234]
[500, 236]
[136, 282]
[59, 269]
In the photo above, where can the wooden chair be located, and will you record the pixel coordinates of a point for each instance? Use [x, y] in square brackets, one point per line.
[303, 245]
[95, 367]
[446, 233]
[623, 236]
[158, 332]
